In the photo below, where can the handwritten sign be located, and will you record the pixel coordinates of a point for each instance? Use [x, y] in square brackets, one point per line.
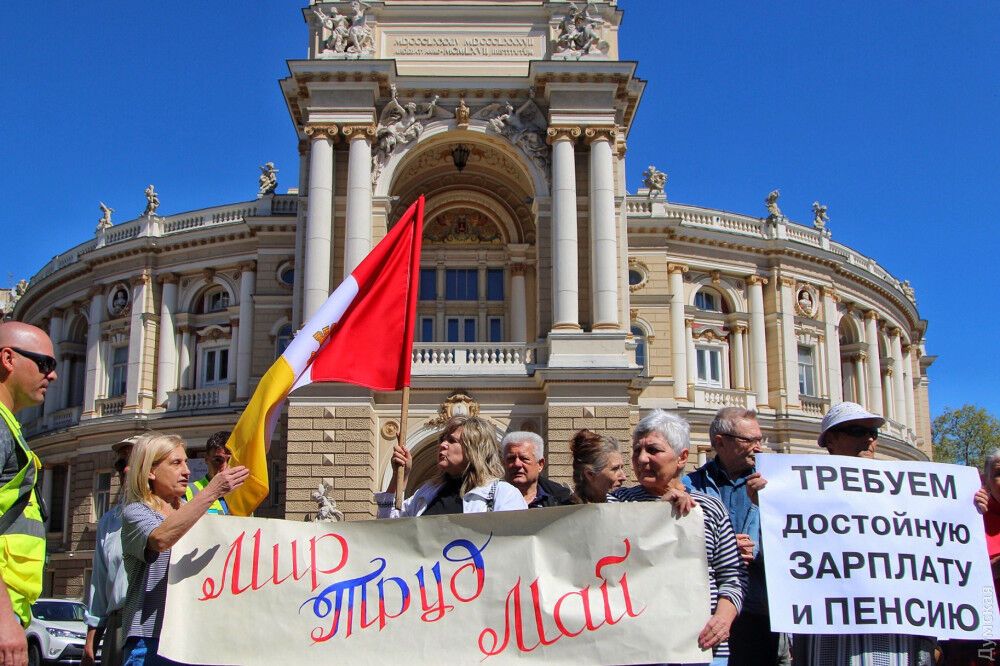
[865, 546]
[595, 584]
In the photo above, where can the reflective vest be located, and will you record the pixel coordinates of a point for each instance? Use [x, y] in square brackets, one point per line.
[22, 545]
[218, 506]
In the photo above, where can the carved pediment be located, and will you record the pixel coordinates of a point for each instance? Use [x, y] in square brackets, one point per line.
[462, 226]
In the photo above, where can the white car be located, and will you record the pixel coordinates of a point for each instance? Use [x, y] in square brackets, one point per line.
[57, 632]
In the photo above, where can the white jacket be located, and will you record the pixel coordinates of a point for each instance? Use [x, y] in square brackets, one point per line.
[505, 498]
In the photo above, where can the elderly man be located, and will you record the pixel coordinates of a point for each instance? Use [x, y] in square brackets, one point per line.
[736, 437]
[523, 458]
[108, 582]
[27, 367]
[217, 456]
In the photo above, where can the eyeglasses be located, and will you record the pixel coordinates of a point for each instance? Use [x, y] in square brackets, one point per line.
[46, 364]
[748, 441]
[858, 431]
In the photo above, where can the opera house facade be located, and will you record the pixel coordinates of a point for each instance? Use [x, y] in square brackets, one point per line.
[551, 298]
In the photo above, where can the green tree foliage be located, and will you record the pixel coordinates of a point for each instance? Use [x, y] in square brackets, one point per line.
[965, 435]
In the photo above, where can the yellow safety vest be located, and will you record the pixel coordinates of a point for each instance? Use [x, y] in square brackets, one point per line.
[22, 545]
[197, 487]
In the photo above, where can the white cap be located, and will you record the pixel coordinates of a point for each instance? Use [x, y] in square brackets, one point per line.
[128, 441]
[844, 412]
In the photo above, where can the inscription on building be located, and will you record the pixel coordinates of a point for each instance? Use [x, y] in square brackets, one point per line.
[479, 46]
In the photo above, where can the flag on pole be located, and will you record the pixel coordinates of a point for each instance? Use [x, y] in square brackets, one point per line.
[362, 334]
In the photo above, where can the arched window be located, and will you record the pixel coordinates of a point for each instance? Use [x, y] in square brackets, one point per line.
[710, 300]
[215, 299]
[282, 340]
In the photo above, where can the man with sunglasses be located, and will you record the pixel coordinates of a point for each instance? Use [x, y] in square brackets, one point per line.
[108, 581]
[217, 457]
[27, 367]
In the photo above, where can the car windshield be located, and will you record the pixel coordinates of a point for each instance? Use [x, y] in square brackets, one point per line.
[60, 611]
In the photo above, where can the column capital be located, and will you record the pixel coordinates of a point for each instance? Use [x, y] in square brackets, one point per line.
[317, 131]
[860, 356]
[56, 313]
[787, 282]
[554, 134]
[894, 332]
[592, 134]
[871, 314]
[907, 348]
[360, 131]
[141, 279]
[167, 278]
[676, 268]
[519, 269]
[621, 146]
[234, 321]
[888, 372]
[185, 329]
[688, 323]
[208, 274]
[248, 266]
[830, 293]
[756, 279]
[739, 329]
[97, 290]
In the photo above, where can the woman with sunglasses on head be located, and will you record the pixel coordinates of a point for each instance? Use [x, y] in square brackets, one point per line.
[469, 476]
[153, 520]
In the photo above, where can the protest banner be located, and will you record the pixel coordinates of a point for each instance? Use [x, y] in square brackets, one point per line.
[601, 583]
[867, 546]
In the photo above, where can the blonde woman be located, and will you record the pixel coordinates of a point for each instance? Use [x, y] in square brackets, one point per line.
[469, 475]
[153, 519]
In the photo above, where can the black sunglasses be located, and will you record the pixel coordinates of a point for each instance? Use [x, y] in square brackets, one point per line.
[46, 364]
[858, 431]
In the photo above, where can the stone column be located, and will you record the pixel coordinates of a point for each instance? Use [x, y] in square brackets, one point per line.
[51, 403]
[898, 376]
[739, 377]
[319, 219]
[232, 368]
[565, 245]
[859, 377]
[907, 379]
[518, 303]
[137, 339]
[789, 341]
[95, 367]
[166, 365]
[300, 235]
[758, 344]
[692, 354]
[244, 345]
[358, 231]
[831, 328]
[184, 362]
[678, 343]
[874, 367]
[603, 238]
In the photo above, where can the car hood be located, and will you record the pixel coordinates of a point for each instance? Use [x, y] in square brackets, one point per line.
[68, 625]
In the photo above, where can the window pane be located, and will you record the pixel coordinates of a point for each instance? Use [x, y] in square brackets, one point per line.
[470, 330]
[223, 364]
[702, 364]
[462, 284]
[715, 362]
[452, 332]
[496, 329]
[428, 284]
[494, 284]
[427, 329]
[634, 277]
[210, 366]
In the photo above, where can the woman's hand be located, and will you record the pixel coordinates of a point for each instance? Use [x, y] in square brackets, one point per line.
[401, 458]
[717, 629]
[680, 498]
[755, 483]
[227, 481]
[745, 545]
[982, 500]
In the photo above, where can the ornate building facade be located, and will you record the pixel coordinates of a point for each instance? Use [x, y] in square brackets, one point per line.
[551, 298]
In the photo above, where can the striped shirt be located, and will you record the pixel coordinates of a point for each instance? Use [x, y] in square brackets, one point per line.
[862, 650]
[727, 575]
[142, 614]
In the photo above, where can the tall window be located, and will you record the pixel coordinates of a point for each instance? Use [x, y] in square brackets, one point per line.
[119, 371]
[461, 284]
[709, 361]
[807, 371]
[283, 339]
[428, 284]
[102, 493]
[494, 284]
[57, 507]
[640, 349]
[496, 329]
[426, 329]
[708, 301]
[460, 329]
[215, 366]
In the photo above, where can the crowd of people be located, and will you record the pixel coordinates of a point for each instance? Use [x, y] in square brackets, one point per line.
[476, 473]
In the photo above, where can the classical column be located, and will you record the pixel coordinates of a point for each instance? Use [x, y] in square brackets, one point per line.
[859, 377]
[603, 238]
[358, 231]
[166, 364]
[300, 235]
[692, 353]
[137, 339]
[518, 303]
[319, 219]
[874, 367]
[94, 365]
[678, 344]
[898, 376]
[736, 338]
[565, 246]
[758, 344]
[831, 327]
[244, 345]
[51, 403]
[232, 368]
[907, 379]
[789, 341]
[184, 362]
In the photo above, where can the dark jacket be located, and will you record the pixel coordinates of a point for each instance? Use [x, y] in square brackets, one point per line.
[555, 494]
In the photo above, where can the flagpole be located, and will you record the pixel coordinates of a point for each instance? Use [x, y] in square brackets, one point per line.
[404, 410]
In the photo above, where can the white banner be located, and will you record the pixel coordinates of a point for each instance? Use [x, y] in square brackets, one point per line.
[605, 583]
[868, 546]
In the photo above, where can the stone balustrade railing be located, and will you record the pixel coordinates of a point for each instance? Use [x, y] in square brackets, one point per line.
[110, 406]
[202, 398]
[492, 358]
[814, 406]
[706, 397]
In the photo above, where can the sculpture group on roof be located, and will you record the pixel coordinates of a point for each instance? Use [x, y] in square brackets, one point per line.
[344, 35]
[654, 180]
[152, 201]
[399, 125]
[524, 127]
[105, 221]
[268, 180]
[577, 31]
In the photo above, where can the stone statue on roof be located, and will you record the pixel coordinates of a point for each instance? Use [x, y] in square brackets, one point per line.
[578, 31]
[105, 221]
[152, 201]
[773, 211]
[820, 218]
[268, 180]
[654, 180]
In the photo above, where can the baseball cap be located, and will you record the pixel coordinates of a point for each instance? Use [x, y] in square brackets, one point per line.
[128, 441]
[844, 412]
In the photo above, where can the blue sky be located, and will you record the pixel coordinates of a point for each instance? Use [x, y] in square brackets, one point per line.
[887, 112]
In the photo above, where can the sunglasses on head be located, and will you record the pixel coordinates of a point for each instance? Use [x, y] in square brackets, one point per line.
[46, 364]
[858, 431]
